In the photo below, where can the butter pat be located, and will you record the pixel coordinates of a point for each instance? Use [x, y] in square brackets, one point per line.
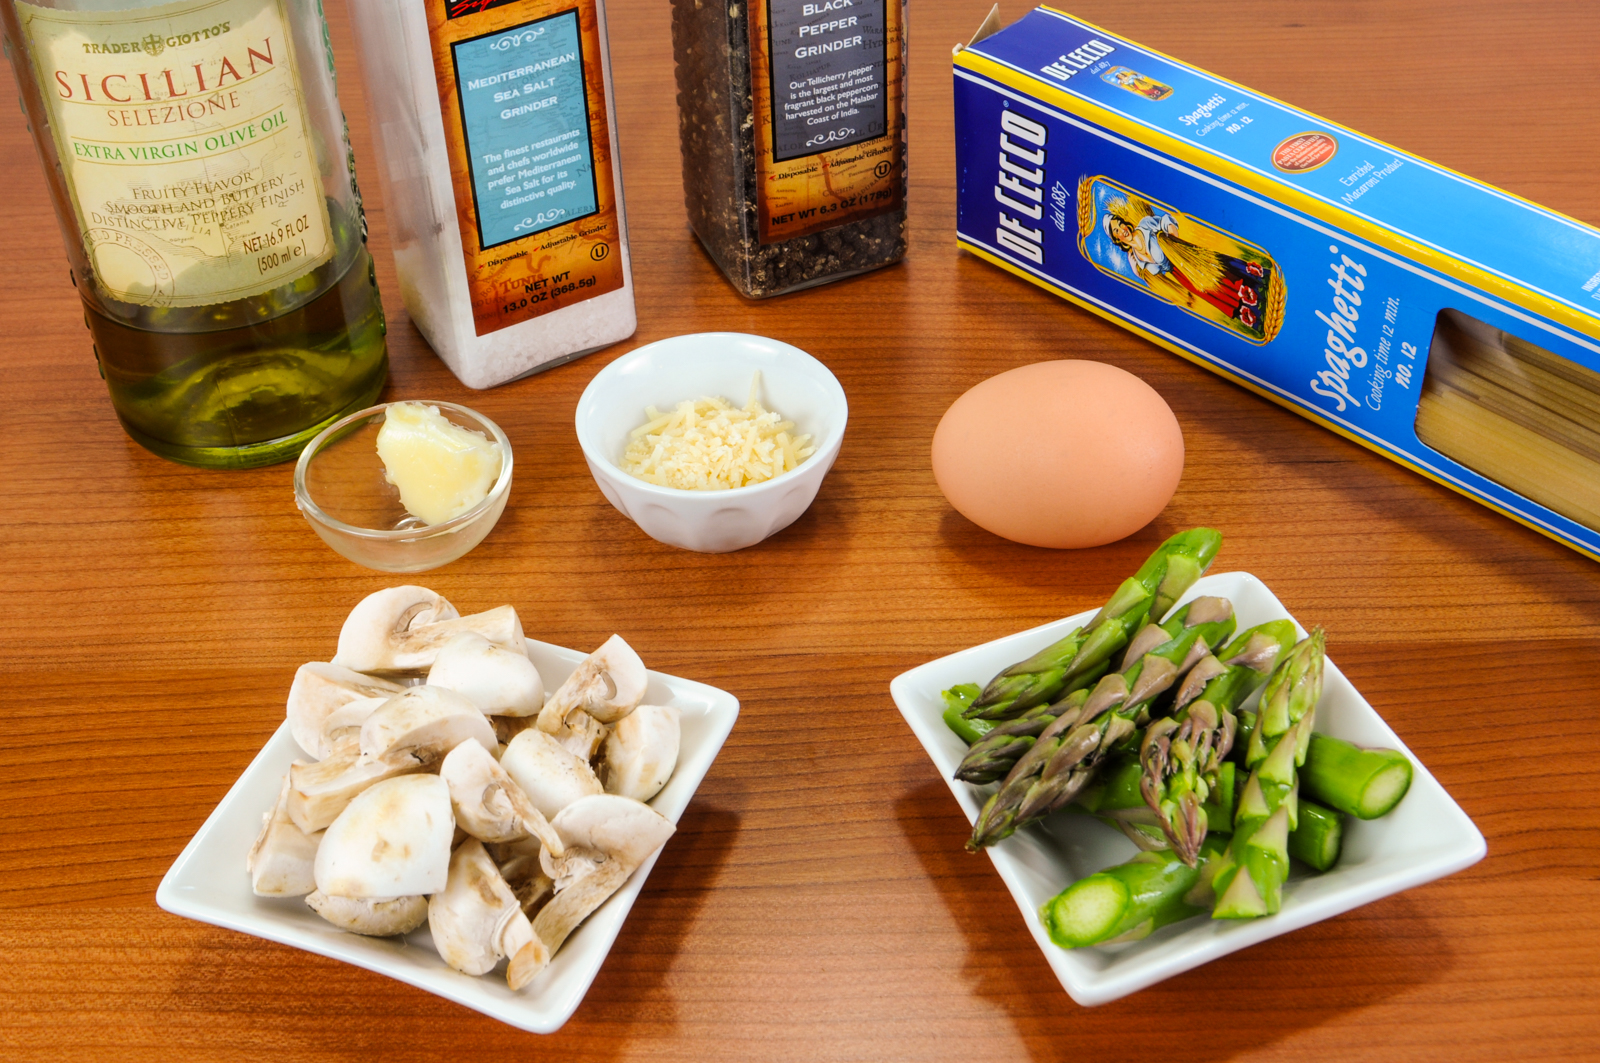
[441, 469]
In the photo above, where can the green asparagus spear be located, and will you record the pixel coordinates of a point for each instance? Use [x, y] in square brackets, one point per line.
[994, 755]
[1290, 696]
[1116, 790]
[1175, 566]
[1035, 681]
[1317, 838]
[1116, 797]
[1117, 802]
[1066, 665]
[1250, 875]
[1147, 595]
[956, 700]
[1129, 901]
[1360, 782]
[1183, 754]
[1173, 648]
[1365, 783]
[1070, 750]
[1350, 780]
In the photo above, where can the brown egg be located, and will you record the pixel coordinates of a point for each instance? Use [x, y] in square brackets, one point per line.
[1064, 454]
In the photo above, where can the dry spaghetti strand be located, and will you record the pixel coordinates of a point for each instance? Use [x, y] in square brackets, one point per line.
[1518, 414]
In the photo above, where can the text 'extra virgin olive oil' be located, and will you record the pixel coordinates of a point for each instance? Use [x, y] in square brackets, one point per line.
[202, 174]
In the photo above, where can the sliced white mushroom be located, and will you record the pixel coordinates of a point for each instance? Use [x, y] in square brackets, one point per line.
[344, 724]
[607, 685]
[399, 631]
[488, 803]
[477, 921]
[581, 735]
[499, 680]
[607, 837]
[527, 880]
[573, 864]
[508, 727]
[374, 917]
[499, 625]
[551, 776]
[393, 840]
[641, 752]
[319, 792]
[280, 861]
[321, 689]
[568, 907]
[377, 629]
[427, 721]
[506, 852]
[619, 827]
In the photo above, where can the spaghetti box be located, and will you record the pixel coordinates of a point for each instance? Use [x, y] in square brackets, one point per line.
[1443, 323]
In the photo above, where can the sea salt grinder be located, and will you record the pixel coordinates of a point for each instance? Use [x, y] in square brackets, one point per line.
[495, 122]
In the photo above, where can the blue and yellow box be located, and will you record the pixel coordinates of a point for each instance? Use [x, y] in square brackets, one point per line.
[1446, 324]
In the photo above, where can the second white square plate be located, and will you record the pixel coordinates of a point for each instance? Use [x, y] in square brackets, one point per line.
[1426, 837]
[208, 881]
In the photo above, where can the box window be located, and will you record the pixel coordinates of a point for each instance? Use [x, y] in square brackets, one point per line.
[1515, 413]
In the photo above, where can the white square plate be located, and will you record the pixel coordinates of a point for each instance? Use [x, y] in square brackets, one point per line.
[208, 881]
[1426, 837]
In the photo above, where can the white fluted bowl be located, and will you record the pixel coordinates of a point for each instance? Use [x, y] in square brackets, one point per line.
[667, 372]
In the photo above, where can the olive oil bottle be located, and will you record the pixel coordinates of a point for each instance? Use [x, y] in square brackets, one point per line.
[202, 175]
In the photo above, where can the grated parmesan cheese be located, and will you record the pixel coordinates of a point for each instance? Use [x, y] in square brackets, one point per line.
[709, 444]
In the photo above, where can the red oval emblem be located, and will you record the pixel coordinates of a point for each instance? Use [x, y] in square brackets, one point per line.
[1303, 152]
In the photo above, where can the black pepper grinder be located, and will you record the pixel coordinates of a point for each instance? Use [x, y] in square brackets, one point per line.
[791, 117]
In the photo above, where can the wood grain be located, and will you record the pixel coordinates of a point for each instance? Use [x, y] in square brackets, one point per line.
[816, 903]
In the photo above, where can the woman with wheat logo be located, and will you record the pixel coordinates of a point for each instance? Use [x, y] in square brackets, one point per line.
[1209, 273]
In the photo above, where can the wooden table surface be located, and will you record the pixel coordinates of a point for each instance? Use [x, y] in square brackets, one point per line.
[816, 903]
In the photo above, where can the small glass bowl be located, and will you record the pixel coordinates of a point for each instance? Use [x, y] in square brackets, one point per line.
[339, 485]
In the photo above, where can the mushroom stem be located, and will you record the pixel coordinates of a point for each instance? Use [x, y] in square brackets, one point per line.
[344, 724]
[319, 792]
[607, 684]
[488, 803]
[607, 837]
[581, 735]
[528, 881]
[280, 862]
[557, 920]
[476, 920]
[531, 957]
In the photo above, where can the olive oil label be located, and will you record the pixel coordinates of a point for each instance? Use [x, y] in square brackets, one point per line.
[826, 85]
[522, 95]
[184, 143]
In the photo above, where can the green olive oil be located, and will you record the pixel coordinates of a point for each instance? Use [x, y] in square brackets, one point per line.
[252, 392]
